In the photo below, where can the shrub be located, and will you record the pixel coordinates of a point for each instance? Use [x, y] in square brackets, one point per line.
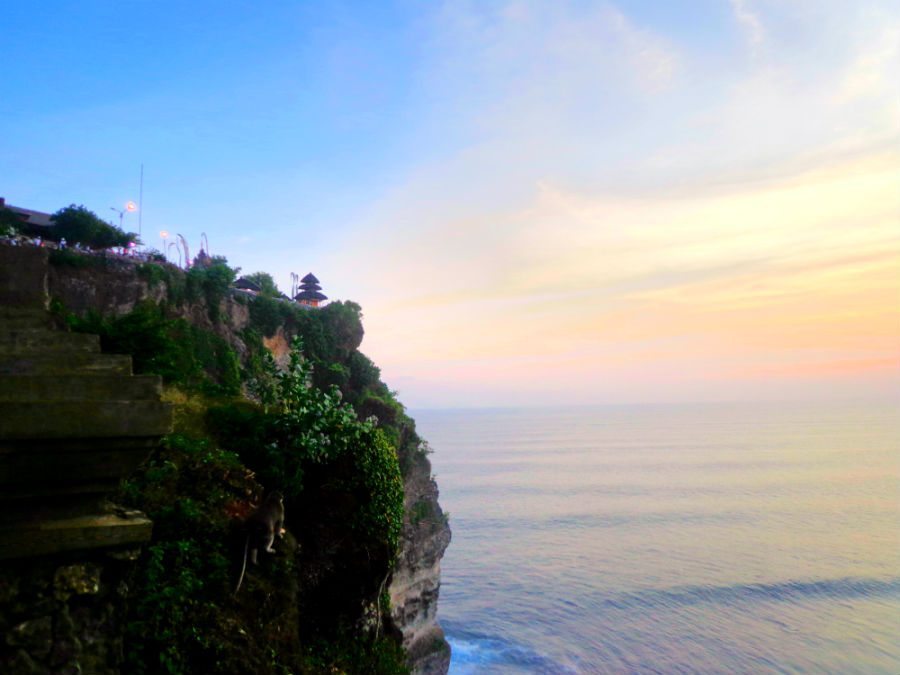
[69, 258]
[266, 283]
[184, 576]
[174, 349]
[78, 224]
[211, 281]
[268, 314]
[308, 428]
[153, 273]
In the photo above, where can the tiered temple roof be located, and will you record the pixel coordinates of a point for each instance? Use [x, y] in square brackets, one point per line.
[310, 291]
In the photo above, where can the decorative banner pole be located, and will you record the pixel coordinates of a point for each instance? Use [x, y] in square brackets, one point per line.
[177, 250]
[187, 251]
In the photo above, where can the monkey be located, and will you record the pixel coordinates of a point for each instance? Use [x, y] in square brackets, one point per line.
[262, 527]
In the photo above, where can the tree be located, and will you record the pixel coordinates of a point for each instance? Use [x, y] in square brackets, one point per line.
[9, 222]
[266, 283]
[78, 224]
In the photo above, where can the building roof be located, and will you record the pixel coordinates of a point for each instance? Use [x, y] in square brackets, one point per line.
[310, 278]
[310, 295]
[247, 285]
[31, 217]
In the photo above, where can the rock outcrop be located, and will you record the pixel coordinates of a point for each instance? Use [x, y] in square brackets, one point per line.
[417, 576]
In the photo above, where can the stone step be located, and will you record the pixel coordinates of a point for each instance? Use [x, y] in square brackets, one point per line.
[72, 363]
[33, 471]
[24, 475]
[20, 319]
[87, 419]
[14, 341]
[26, 388]
[48, 536]
[20, 498]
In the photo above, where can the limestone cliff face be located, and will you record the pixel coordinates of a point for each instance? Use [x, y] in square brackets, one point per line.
[113, 289]
[417, 576]
[118, 287]
[279, 345]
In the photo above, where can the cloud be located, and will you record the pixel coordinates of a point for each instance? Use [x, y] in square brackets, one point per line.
[614, 210]
[873, 72]
[750, 22]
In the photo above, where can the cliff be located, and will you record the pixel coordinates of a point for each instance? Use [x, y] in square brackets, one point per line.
[336, 577]
[416, 580]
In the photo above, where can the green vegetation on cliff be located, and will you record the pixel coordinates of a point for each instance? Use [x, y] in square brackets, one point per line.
[245, 428]
[181, 353]
[266, 283]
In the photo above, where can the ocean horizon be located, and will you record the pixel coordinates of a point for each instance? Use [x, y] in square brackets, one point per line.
[670, 538]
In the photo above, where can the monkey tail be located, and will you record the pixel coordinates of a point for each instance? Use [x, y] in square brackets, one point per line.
[244, 566]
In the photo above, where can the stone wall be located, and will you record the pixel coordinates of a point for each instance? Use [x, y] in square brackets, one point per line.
[63, 614]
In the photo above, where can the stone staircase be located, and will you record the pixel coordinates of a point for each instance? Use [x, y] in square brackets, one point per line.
[73, 423]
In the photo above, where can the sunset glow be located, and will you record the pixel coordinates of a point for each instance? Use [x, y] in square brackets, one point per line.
[567, 202]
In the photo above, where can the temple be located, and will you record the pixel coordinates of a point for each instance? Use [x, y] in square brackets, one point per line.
[310, 294]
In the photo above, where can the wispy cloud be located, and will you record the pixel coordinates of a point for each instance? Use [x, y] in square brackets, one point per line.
[625, 220]
[750, 22]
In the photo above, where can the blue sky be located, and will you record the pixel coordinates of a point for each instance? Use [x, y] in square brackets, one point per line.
[563, 201]
[238, 115]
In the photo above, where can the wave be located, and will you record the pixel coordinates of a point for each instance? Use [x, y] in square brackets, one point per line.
[493, 526]
[788, 591]
[474, 653]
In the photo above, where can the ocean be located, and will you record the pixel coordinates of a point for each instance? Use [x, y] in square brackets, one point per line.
[717, 538]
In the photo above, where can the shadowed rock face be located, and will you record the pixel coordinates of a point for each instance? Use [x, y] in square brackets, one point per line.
[417, 576]
[62, 614]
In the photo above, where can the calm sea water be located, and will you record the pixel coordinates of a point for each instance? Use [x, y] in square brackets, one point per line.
[671, 539]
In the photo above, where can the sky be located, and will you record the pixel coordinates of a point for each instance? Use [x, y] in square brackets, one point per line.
[535, 203]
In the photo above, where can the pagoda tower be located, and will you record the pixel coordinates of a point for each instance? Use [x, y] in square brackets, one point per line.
[310, 295]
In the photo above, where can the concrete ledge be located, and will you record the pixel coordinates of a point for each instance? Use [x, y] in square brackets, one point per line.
[65, 364]
[87, 419]
[23, 319]
[16, 340]
[33, 388]
[28, 474]
[102, 530]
